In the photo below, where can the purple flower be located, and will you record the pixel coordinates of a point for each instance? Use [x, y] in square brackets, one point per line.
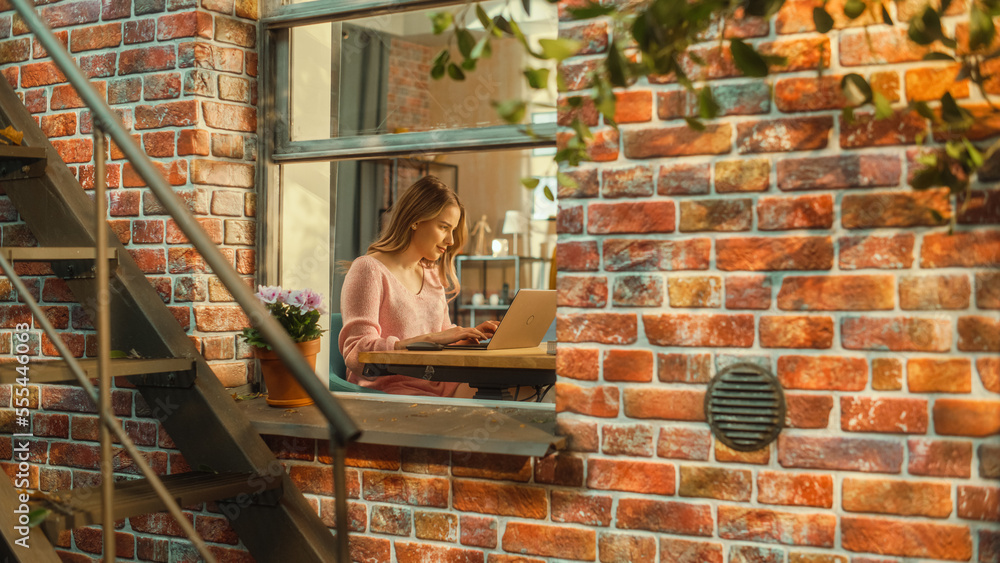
[269, 294]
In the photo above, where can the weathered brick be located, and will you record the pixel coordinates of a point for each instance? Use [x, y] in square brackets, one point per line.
[809, 94]
[883, 414]
[774, 253]
[577, 256]
[795, 489]
[685, 551]
[898, 334]
[664, 516]
[439, 526]
[683, 179]
[823, 372]
[748, 175]
[929, 84]
[586, 184]
[887, 252]
[699, 330]
[230, 117]
[940, 458]
[843, 454]
[591, 401]
[169, 114]
[961, 249]
[404, 489]
[637, 291]
[980, 207]
[934, 292]
[807, 212]
[912, 209]
[573, 507]
[931, 375]
[679, 442]
[664, 404]
[835, 172]
[796, 332]
[578, 363]
[478, 531]
[492, 466]
[624, 548]
[748, 292]
[979, 334]
[988, 290]
[559, 469]
[865, 130]
[96, 37]
[550, 541]
[569, 219]
[716, 215]
[627, 439]
[763, 525]
[701, 291]
[887, 374]
[630, 217]
[807, 411]
[677, 141]
[884, 46]
[628, 365]
[966, 417]
[626, 254]
[633, 106]
[837, 293]
[906, 538]
[979, 503]
[419, 552]
[782, 135]
[606, 328]
[715, 482]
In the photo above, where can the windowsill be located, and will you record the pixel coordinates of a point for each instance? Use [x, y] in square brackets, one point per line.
[501, 427]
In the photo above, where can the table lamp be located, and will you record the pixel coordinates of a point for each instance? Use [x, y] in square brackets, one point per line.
[513, 224]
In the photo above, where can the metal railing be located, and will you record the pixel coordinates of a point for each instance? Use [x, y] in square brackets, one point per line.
[342, 428]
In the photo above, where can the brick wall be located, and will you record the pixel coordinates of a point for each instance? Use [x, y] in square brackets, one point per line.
[183, 79]
[781, 236]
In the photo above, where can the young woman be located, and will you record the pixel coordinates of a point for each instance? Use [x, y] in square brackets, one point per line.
[398, 292]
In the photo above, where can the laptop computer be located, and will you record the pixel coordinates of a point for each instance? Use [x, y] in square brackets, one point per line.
[526, 321]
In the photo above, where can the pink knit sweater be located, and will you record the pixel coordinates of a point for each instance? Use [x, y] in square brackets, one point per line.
[379, 311]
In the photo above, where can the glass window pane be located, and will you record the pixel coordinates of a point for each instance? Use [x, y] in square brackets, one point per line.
[383, 64]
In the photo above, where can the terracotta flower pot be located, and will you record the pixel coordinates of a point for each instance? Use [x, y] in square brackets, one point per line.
[283, 390]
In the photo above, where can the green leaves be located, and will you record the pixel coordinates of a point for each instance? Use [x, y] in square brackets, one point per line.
[538, 78]
[926, 29]
[747, 59]
[455, 73]
[466, 41]
[763, 8]
[707, 106]
[854, 8]
[439, 64]
[591, 10]
[530, 183]
[956, 118]
[822, 20]
[856, 89]
[441, 21]
[559, 49]
[981, 28]
[512, 111]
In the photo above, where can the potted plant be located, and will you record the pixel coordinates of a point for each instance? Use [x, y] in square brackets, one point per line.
[298, 313]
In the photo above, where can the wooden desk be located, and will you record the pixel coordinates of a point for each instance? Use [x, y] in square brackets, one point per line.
[490, 372]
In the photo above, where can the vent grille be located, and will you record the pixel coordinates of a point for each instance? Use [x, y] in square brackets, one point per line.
[745, 406]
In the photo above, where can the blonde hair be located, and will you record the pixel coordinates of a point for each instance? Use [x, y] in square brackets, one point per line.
[423, 201]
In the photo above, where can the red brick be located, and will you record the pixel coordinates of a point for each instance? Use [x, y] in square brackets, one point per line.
[897, 334]
[96, 37]
[940, 458]
[796, 332]
[634, 181]
[843, 454]
[883, 414]
[139, 31]
[149, 260]
[835, 172]
[883, 46]
[92, 540]
[478, 531]
[904, 498]
[161, 86]
[169, 114]
[683, 179]
[807, 411]
[633, 476]
[979, 503]
[966, 417]
[659, 142]
[628, 365]
[559, 469]
[625, 255]
[426, 461]
[867, 211]
[665, 516]
[550, 541]
[684, 443]
[624, 548]
[418, 553]
[782, 135]
[404, 489]
[630, 217]
[577, 256]
[867, 131]
[809, 94]
[586, 113]
[41, 74]
[59, 125]
[684, 551]
[928, 375]
[665, 404]
[637, 291]
[492, 466]
[979, 334]
[795, 489]
[724, 453]
[578, 363]
[748, 175]
[587, 184]
[929, 84]
[775, 253]
[569, 219]
[989, 546]
[748, 292]
[823, 372]
[684, 368]
[715, 482]
[371, 456]
[979, 208]
[184, 24]
[701, 291]
[634, 106]
[192, 142]
[581, 436]
[147, 232]
[755, 524]
[961, 249]
[699, 330]
[231, 30]
[75, 150]
[573, 507]
[605, 328]
[837, 293]
[159, 143]
[889, 252]
[934, 292]
[592, 401]
[392, 520]
[906, 538]
[988, 290]
[716, 215]
[989, 373]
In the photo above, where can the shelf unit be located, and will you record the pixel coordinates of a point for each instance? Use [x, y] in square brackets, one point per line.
[515, 262]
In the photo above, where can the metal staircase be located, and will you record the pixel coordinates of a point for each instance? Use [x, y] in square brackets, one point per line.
[275, 523]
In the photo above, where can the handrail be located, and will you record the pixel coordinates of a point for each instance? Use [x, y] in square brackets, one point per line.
[107, 420]
[344, 429]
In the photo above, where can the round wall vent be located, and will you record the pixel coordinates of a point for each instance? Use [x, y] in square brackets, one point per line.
[745, 406]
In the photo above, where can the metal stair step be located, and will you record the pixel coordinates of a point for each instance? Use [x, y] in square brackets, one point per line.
[57, 371]
[49, 253]
[72, 508]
